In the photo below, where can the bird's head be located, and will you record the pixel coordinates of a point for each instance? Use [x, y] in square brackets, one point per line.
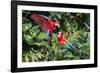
[56, 23]
[59, 34]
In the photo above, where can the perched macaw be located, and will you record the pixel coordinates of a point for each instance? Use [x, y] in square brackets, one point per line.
[45, 23]
[65, 43]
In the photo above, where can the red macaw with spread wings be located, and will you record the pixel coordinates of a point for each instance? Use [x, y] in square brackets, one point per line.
[46, 24]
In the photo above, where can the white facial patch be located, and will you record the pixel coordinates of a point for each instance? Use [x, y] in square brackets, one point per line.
[56, 24]
[59, 34]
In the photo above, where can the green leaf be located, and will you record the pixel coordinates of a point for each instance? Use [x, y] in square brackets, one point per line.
[33, 33]
[58, 15]
[42, 35]
[26, 27]
[28, 39]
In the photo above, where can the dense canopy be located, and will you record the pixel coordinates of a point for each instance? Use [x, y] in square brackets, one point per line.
[76, 26]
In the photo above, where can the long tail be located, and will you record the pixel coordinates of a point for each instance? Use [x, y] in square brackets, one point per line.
[70, 47]
[48, 37]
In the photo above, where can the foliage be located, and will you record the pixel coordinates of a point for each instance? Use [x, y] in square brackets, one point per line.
[36, 48]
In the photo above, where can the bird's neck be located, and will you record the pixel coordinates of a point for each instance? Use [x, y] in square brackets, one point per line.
[51, 28]
[61, 38]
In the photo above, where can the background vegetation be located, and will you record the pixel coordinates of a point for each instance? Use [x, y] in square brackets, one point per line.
[36, 48]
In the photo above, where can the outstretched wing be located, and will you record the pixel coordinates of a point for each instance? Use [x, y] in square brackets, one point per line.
[42, 21]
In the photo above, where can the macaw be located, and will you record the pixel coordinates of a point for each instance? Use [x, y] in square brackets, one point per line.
[65, 43]
[45, 23]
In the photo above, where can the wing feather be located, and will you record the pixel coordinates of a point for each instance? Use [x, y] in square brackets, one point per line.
[42, 21]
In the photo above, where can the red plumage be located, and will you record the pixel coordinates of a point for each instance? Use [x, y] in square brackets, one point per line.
[44, 22]
[61, 39]
[66, 43]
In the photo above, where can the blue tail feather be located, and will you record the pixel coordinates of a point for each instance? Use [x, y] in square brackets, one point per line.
[70, 47]
[48, 38]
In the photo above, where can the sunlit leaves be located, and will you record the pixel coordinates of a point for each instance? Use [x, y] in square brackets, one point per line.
[28, 39]
[26, 27]
[42, 35]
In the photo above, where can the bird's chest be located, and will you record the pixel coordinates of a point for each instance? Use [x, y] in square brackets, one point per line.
[51, 27]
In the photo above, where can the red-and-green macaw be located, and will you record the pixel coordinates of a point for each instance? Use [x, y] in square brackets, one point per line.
[46, 24]
[65, 43]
